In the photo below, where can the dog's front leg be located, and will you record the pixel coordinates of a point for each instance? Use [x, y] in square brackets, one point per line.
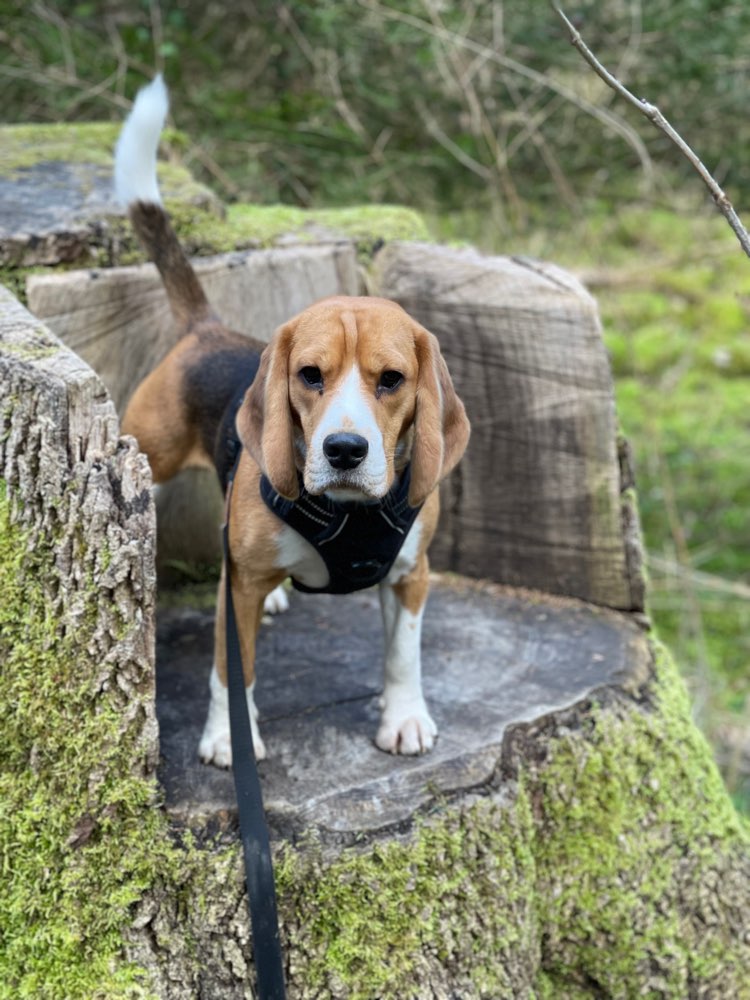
[215, 745]
[406, 725]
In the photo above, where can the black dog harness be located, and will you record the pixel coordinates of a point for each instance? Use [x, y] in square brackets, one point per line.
[358, 542]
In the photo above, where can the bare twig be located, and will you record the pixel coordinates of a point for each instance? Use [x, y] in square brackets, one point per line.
[531, 131]
[704, 581]
[447, 143]
[51, 16]
[460, 77]
[204, 157]
[657, 118]
[608, 119]
[51, 76]
[157, 35]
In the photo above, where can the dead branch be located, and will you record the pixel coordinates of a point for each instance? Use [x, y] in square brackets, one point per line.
[607, 118]
[655, 116]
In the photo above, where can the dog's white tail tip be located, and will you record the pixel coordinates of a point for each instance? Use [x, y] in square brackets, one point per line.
[137, 145]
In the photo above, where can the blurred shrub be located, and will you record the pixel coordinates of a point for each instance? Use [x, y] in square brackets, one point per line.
[475, 103]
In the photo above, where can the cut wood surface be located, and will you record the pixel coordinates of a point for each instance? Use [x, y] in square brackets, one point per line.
[568, 826]
[537, 501]
[513, 656]
[57, 200]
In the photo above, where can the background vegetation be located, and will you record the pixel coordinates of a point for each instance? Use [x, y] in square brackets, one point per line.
[481, 115]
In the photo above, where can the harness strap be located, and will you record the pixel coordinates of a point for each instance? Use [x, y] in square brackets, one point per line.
[256, 847]
[358, 542]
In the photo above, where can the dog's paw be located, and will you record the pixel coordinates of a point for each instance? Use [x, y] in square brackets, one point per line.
[277, 601]
[406, 728]
[215, 746]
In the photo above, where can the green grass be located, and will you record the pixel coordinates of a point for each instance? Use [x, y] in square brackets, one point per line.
[674, 293]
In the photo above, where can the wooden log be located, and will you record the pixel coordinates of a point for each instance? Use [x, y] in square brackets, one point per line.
[57, 202]
[538, 499]
[570, 835]
[541, 498]
[77, 597]
[75, 487]
[568, 828]
[118, 320]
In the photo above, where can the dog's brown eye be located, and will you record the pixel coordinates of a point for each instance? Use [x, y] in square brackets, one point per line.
[311, 376]
[390, 379]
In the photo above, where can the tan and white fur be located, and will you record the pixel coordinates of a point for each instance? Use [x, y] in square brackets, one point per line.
[355, 371]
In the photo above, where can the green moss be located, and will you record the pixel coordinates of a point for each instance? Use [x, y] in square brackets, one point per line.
[79, 838]
[636, 828]
[44, 348]
[570, 882]
[457, 890]
[248, 226]
[599, 878]
[72, 142]
[364, 224]
[14, 279]
[93, 143]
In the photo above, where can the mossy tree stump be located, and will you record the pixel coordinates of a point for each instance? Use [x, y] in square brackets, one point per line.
[570, 835]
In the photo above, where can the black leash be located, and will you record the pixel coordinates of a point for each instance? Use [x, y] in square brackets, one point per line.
[256, 847]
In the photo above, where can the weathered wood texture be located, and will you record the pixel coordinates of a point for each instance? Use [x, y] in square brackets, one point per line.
[118, 320]
[36, 228]
[530, 655]
[568, 836]
[541, 498]
[538, 499]
[80, 492]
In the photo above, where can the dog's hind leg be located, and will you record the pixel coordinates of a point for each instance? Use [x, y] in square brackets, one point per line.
[277, 601]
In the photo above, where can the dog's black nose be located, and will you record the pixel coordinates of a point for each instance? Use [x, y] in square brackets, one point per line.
[345, 451]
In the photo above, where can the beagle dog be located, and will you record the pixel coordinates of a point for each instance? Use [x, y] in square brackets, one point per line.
[340, 430]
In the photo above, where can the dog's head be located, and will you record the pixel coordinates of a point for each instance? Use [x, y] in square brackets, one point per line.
[348, 393]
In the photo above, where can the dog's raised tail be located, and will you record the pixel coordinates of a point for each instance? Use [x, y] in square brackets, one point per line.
[136, 186]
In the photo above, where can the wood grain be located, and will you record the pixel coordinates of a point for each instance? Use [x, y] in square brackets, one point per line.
[536, 501]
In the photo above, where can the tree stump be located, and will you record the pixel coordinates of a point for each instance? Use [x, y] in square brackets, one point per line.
[541, 498]
[568, 837]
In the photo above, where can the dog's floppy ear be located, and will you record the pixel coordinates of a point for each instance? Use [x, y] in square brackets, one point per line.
[264, 421]
[441, 427]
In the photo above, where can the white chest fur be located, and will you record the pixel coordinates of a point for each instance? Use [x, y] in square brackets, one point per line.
[300, 559]
[406, 559]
